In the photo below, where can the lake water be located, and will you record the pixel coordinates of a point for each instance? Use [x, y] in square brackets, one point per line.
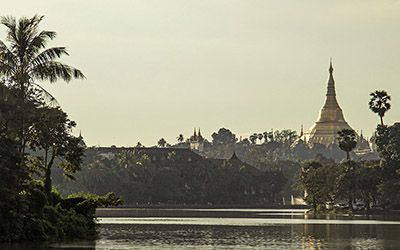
[234, 229]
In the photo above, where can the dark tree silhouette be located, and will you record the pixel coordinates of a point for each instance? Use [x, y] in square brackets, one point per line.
[253, 138]
[161, 143]
[379, 103]
[224, 136]
[24, 60]
[180, 138]
[347, 141]
[266, 136]
[260, 137]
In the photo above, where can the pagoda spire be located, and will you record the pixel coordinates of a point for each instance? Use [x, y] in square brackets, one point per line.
[301, 131]
[331, 119]
[331, 82]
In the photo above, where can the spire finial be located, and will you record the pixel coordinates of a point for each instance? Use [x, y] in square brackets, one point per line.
[301, 131]
[330, 66]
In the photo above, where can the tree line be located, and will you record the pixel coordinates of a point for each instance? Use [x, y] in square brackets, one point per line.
[175, 181]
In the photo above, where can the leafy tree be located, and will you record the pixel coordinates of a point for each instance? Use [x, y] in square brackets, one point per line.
[379, 103]
[223, 136]
[253, 138]
[388, 144]
[161, 143]
[51, 133]
[368, 181]
[12, 178]
[266, 136]
[285, 136]
[260, 136]
[319, 183]
[347, 141]
[180, 138]
[347, 182]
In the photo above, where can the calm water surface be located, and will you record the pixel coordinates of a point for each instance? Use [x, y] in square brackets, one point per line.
[234, 229]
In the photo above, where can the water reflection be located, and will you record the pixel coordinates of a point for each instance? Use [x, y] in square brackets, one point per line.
[234, 229]
[272, 237]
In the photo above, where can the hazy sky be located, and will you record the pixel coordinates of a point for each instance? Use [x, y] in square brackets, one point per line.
[159, 68]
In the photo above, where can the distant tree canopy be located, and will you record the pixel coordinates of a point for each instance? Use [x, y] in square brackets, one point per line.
[140, 181]
[223, 136]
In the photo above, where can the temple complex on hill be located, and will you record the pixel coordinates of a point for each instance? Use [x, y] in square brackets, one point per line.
[331, 120]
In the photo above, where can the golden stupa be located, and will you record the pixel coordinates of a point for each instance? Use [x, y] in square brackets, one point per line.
[331, 119]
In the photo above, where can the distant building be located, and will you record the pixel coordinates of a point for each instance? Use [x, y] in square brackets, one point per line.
[330, 121]
[197, 141]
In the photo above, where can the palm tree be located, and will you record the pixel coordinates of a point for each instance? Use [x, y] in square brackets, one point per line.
[161, 143]
[180, 138]
[26, 59]
[266, 136]
[379, 103]
[260, 137]
[347, 141]
[253, 138]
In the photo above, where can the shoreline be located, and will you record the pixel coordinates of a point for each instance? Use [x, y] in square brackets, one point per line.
[278, 207]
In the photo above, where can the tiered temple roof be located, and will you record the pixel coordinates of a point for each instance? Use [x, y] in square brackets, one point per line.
[331, 119]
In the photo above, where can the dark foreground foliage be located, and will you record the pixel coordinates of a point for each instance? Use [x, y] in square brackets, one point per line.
[35, 137]
[28, 213]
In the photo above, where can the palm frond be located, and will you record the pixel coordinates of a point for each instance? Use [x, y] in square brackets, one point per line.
[11, 23]
[49, 55]
[48, 98]
[39, 41]
[53, 70]
[7, 62]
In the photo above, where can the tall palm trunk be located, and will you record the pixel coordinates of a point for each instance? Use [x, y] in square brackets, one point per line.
[47, 178]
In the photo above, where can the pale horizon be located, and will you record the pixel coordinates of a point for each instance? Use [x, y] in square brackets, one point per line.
[160, 68]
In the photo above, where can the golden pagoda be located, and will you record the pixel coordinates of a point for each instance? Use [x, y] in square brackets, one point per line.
[331, 119]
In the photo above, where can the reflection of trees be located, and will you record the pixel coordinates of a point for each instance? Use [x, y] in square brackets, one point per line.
[340, 236]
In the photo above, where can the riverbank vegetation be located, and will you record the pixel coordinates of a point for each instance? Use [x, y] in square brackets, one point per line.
[35, 137]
